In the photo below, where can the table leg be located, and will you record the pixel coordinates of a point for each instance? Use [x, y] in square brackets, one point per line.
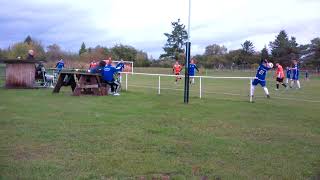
[59, 83]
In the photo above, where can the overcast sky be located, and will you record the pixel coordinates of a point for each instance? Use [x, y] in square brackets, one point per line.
[141, 23]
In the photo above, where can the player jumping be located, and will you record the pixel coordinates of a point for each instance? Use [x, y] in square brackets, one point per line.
[295, 74]
[280, 76]
[176, 70]
[261, 78]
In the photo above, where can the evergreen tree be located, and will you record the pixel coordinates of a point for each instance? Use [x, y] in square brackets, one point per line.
[175, 41]
[82, 49]
[264, 53]
[247, 48]
[28, 40]
[283, 49]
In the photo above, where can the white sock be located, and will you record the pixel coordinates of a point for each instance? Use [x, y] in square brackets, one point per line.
[266, 90]
[298, 84]
[252, 90]
[287, 81]
[192, 80]
[292, 82]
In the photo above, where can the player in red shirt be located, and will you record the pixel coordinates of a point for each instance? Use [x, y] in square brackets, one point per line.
[176, 70]
[93, 64]
[280, 76]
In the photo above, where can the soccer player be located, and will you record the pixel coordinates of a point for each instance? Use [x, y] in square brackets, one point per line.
[120, 66]
[280, 76]
[60, 65]
[306, 75]
[176, 70]
[261, 78]
[192, 67]
[93, 64]
[108, 77]
[295, 74]
[288, 75]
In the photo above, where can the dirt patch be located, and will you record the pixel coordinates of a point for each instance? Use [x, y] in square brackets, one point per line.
[32, 152]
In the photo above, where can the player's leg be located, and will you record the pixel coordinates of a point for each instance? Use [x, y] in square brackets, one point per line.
[277, 84]
[177, 77]
[298, 83]
[253, 87]
[111, 86]
[292, 83]
[265, 89]
[281, 82]
[117, 86]
[120, 78]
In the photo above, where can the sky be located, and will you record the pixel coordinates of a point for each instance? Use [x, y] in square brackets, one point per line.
[142, 23]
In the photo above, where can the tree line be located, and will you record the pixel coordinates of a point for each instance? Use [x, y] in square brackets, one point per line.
[282, 49]
[53, 53]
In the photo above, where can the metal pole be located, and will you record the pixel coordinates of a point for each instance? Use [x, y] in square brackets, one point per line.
[126, 82]
[189, 20]
[186, 77]
[187, 62]
[200, 88]
[159, 85]
[250, 90]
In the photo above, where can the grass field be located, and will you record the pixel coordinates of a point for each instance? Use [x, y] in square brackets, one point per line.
[140, 133]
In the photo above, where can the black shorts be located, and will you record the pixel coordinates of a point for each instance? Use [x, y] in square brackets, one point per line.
[279, 80]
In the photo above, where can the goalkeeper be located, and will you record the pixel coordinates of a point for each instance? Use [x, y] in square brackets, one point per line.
[261, 77]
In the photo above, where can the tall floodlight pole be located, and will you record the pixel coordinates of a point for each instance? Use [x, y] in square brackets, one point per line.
[188, 46]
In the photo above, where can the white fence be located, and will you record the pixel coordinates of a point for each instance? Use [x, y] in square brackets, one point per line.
[250, 79]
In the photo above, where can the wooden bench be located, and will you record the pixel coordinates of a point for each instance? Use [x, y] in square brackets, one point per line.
[81, 83]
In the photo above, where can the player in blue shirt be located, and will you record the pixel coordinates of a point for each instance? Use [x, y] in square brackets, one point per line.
[108, 77]
[295, 74]
[120, 66]
[192, 68]
[99, 68]
[261, 78]
[288, 75]
[60, 65]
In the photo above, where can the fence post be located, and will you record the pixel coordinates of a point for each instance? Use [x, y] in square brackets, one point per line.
[200, 87]
[250, 90]
[126, 81]
[159, 86]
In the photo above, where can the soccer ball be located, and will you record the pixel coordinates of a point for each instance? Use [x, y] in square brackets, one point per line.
[270, 64]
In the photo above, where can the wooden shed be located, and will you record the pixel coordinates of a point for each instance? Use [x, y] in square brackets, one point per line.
[20, 73]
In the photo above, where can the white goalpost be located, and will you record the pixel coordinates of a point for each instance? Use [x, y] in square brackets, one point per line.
[159, 86]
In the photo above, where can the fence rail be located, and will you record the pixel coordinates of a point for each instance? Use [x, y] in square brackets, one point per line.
[200, 80]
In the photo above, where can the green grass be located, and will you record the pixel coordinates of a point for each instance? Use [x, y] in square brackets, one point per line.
[140, 133]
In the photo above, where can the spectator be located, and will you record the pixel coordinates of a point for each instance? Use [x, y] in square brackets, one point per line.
[30, 55]
[108, 77]
[99, 68]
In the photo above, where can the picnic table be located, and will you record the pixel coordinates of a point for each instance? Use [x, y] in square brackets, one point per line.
[82, 83]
